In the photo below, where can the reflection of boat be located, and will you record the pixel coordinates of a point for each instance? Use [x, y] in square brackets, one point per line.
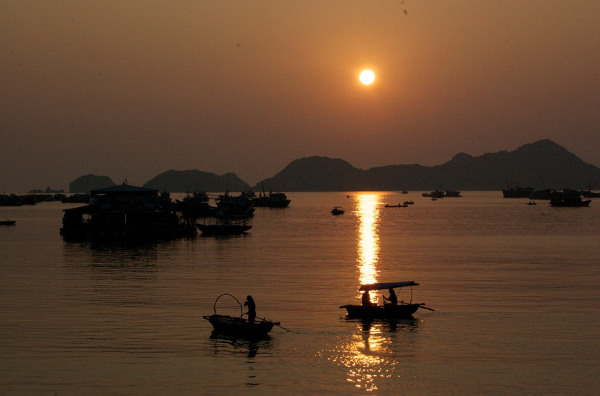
[8, 222]
[238, 325]
[224, 226]
[337, 211]
[386, 311]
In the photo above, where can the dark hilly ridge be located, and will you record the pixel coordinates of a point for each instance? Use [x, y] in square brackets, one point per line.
[195, 180]
[543, 164]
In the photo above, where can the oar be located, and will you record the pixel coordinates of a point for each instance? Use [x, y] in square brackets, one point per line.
[275, 323]
[424, 307]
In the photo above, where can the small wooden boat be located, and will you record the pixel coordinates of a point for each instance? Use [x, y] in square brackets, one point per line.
[401, 310]
[238, 326]
[337, 211]
[7, 222]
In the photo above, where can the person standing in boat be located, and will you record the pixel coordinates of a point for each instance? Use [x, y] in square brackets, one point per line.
[251, 309]
[393, 299]
[366, 299]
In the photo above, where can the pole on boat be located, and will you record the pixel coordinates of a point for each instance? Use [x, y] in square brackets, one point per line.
[275, 323]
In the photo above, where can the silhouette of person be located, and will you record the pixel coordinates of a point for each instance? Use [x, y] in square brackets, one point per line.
[392, 298]
[251, 309]
[366, 299]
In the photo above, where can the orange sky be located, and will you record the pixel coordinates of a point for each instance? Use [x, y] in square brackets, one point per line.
[129, 89]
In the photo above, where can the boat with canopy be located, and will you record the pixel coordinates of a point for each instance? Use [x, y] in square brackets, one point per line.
[397, 310]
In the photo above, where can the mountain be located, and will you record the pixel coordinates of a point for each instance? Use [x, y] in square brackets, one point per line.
[195, 180]
[543, 164]
[87, 183]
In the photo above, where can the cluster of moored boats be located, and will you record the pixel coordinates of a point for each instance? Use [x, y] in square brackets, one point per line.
[367, 311]
[130, 213]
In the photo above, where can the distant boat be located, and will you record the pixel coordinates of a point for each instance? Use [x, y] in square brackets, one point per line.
[272, 200]
[396, 206]
[7, 222]
[434, 194]
[531, 203]
[568, 198]
[519, 192]
[452, 194]
[337, 211]
[387, 311]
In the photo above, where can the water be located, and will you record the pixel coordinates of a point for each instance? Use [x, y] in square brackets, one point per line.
[515, 289]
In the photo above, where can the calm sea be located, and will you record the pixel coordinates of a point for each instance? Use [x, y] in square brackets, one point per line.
[515, 288]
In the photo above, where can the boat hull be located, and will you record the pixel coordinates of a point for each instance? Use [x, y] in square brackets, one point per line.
[239, 326]
[381, 312]
[221, 229]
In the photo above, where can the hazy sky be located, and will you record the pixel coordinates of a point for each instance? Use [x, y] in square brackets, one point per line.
[129, 89]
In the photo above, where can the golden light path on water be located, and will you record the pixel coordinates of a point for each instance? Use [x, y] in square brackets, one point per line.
[368, 206]
[370, 354]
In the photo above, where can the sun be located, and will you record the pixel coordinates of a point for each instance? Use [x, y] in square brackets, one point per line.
[367, 77]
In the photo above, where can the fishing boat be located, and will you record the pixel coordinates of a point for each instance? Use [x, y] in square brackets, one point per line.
[238, 325]
[8, 222]
[400, 310]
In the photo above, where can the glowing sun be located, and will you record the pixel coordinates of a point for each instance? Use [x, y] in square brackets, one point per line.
[367, 77]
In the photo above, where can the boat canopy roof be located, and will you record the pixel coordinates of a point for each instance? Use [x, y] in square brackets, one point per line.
[387, 285]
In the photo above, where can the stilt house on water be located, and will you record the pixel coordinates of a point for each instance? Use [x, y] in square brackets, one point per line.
[124, 213]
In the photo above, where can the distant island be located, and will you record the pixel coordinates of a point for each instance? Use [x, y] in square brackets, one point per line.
[540, 165]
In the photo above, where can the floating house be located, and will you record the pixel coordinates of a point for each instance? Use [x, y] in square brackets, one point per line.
[124, 213]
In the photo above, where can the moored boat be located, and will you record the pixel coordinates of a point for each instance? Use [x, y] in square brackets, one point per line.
[397, 310]
[225, 226]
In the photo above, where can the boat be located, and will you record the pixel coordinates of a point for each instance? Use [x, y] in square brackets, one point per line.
[518, 192]
[531, 203]
[8, 222]
[401, 310]
[337, 211]
[124, 213]
[404, 205]
[271, 200]
[434, 194]
[569, 198]
[225, 226]
[452, 194]
[238, 325]
[235, 205]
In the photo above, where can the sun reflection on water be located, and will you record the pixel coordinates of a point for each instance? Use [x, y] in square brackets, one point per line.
[372, 355]
[368, 213]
